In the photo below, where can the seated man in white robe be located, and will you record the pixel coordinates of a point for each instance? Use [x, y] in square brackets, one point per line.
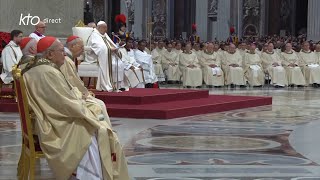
[232, 64]
[11, 56]
[157, 54]
[190, 67]
[29, 50]
[309, 63]
[253, 67]
[107, 54]
[290, 61]
[145, 60]
[170, 63]
[271, 63]
[211, 67]
[133, 70]
[74, 49]
[72, 139]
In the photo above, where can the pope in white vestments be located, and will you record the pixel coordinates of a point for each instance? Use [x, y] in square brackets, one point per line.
[145, 60]
[11, 56]
[107, 54]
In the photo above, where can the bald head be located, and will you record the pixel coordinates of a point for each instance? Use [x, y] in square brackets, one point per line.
[41, 27]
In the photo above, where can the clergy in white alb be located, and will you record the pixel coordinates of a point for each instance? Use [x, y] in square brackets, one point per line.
[211, 67]
[157, 53]
[190, 67]
[133, 70]
[10, 56]
[170, 63]
[145, 60]
[271, 63]
[232, 63]
[253, 67]
[290, 61]
[309, 63]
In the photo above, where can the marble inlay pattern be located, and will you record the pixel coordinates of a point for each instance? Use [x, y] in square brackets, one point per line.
[218, 143]
[216, 158]
[261, 143]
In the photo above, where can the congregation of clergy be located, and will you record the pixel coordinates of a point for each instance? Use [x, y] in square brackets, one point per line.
[49, 67]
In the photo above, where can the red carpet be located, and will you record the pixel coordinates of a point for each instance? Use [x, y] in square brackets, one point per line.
[165, 103]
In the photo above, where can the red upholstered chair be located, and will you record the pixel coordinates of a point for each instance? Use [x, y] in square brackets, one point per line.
[4, 40]
[30, 150]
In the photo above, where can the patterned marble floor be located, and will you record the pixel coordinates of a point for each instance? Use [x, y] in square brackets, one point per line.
[278, 142]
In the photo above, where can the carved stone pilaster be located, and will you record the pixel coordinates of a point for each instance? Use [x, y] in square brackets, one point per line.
[159, 18]
[213, 9]
[285, 12]
[98, 10]
[130, 10]
[251, 17]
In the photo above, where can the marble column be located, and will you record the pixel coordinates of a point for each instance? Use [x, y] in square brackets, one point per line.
[313, 28]
[202, 18]
[170, 19]
[222, 26]
[159, 18]
[138, 19]
[274, 17]
[236, 16]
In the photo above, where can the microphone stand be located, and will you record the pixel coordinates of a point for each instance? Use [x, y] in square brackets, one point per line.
[117, 58]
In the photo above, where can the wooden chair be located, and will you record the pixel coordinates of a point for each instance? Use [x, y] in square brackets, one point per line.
[30, 150]
[1, 87]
